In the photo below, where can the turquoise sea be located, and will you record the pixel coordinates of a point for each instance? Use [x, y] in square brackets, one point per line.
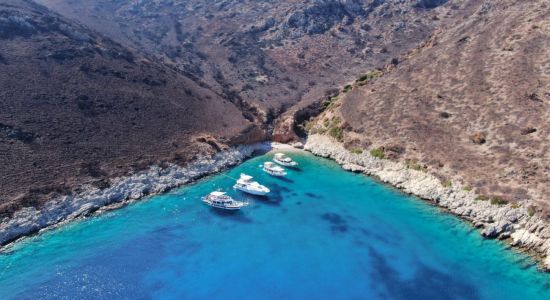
[322, 234]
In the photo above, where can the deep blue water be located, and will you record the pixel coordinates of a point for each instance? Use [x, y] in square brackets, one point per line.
[323, 234]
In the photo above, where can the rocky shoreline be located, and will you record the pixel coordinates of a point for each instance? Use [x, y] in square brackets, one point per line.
[514, 223]
[122, 190]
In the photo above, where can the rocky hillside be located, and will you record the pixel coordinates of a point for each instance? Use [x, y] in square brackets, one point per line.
[95, 89]
[268, 55]
[76, 107]
[471, 104]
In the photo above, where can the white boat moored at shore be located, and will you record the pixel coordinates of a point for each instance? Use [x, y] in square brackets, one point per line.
[247, 185]
[273, 169]
[283, 160]
[222, 201]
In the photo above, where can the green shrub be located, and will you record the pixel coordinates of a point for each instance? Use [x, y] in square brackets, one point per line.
[337, 133]
[482, 198]
[377, 152]
[531, 210]
[362, 78]
[347, 88]
[414, 165]
[515, 205]
[447, 183]
[329, 103]
[498, 201]
[467, 188]
[356, 150]
[370, 76]
[321, 130]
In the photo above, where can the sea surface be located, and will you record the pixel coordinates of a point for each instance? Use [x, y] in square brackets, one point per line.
[323, 233]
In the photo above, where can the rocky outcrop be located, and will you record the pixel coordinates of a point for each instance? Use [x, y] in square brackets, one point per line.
[121, 190]
[526, 230]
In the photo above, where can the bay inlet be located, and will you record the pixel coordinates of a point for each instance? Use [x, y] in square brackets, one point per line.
[322, 233]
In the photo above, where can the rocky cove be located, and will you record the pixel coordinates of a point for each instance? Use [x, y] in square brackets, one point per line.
[122, 190]
[513, 223]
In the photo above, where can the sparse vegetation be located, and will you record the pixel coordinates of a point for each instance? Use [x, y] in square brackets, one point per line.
[378, 153]
[308, 125]
[347, 88]
[498, 201]
[369, 76]
[337, 133]
[332, 126]
[329, 103]
[515, 205]
[531, 210]
[467, 188]
[482, 198]
[356, 150]
[447, 183]
[414, 165]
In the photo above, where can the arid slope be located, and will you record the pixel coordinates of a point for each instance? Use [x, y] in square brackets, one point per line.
[76, 107]
[149, 82]
[472, 104]
[266, 54]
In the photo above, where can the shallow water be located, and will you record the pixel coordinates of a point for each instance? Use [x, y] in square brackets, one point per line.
[323, 233]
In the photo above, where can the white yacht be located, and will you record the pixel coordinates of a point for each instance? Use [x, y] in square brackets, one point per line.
[245, 184]
[273, 169]
[222, 201]
[283, 160]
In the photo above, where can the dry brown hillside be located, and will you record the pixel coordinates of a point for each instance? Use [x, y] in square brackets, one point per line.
[269, 54]
[76, 107]
[138, 85]
[472, 104]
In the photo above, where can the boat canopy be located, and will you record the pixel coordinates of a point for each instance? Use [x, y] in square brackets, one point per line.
[217, 194]
[246, 177]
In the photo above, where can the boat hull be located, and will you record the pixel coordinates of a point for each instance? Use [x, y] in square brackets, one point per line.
[223, 207]
[285, 164]
[276, 174]
[252, 192]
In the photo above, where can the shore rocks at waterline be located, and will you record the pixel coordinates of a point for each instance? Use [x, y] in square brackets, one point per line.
[495, 221]
[90, 199]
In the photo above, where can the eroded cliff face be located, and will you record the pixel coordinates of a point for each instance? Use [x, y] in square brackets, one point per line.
[470, 105]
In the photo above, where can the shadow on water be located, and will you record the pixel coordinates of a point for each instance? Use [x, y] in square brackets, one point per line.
[274, 198]
[234, 215]
[284, 179]
[275, 188]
